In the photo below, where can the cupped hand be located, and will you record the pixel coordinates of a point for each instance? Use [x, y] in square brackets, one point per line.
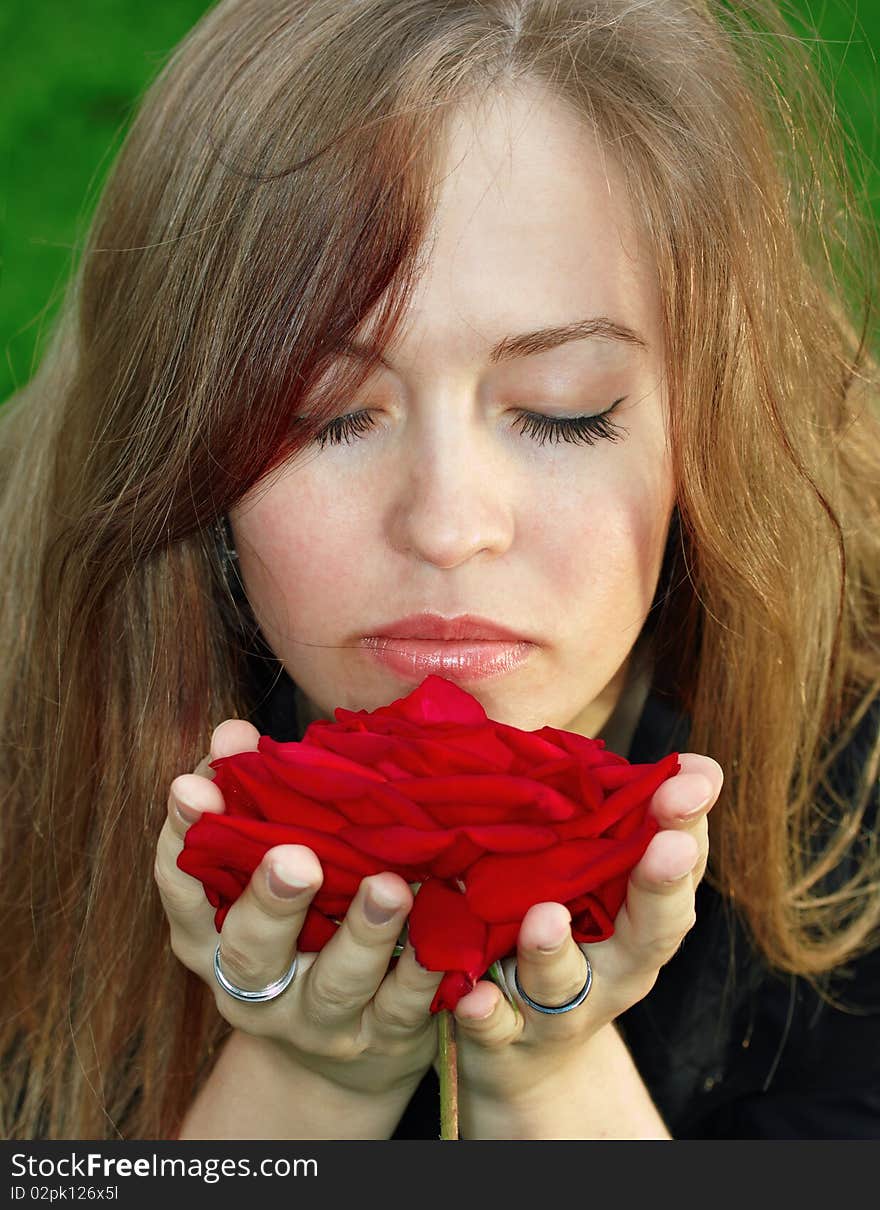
[502, 1053]
[345, 1015]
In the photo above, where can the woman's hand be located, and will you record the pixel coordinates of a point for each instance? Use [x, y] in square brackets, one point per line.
[344, 1016]
[507, 1056]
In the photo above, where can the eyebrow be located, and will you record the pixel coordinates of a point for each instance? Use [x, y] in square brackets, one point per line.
[526, 344]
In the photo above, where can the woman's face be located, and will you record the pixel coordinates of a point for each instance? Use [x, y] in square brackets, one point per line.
[443, 500]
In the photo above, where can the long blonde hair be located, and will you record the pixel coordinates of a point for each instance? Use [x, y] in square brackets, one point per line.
[275, 188]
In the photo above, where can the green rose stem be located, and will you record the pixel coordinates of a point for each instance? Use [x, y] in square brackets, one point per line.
[449, 1058]
[448, 1054]
[448, 1076]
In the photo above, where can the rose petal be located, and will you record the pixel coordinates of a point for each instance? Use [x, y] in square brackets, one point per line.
[450, 990]
[443, 930]
[503, 888]
[432, 789]
[516, 799]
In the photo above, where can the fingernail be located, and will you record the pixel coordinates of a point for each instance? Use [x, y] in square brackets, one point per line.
[683, 875]
[284, 883]
[696, 810]
[551, 944]
[482, 1015]
[378, 909]
[188, 814]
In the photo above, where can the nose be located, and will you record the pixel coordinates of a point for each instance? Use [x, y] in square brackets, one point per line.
[453, 497]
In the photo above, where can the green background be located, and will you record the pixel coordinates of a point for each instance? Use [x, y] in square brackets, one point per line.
[74, 71]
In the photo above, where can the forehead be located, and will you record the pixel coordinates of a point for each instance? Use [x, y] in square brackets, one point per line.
[532, 246]
[524, 165]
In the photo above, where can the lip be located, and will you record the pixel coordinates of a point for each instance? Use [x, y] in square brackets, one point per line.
[469, 660]
[464, 628]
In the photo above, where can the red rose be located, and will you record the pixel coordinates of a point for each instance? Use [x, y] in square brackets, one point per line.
[489, 820]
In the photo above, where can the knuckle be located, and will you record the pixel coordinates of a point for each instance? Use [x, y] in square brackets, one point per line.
[489, 1037]
[178, 898]
[419, 983]
[343, 1048]
[674, 949]
[326, 1004]
[241, 966]
[266, 909]
[331, 1042]
[413, 980]
[340, 1045]
[669, 941]
[700, 833]
[647, 943]
[158, 872]
[182, 949]
[391, 1017]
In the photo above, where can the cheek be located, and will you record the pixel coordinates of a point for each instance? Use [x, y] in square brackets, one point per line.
[298, 553]
[602, 544]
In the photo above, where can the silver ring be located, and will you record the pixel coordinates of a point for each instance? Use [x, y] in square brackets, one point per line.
[562, 1008]
[269, 992]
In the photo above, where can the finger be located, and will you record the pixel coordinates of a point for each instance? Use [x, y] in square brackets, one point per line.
[259, 935]
[683, 803]
[231, 736]
[183, 897]
[351, 966]
[549, 963]
[189, 795]
[190, 914]
[691, 793]
[485, 1017]
[676, 813]
[659, 906]
[403, 1001]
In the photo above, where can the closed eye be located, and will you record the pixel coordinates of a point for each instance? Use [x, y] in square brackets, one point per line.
[583, 430]
[574, 429]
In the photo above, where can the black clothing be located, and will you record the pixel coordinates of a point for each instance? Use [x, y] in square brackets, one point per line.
[728, 1048]
[758, 1053]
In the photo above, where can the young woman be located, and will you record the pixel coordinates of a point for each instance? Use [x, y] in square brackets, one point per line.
[536, 311]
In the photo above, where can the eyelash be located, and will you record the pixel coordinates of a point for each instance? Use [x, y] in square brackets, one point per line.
[572, 429]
